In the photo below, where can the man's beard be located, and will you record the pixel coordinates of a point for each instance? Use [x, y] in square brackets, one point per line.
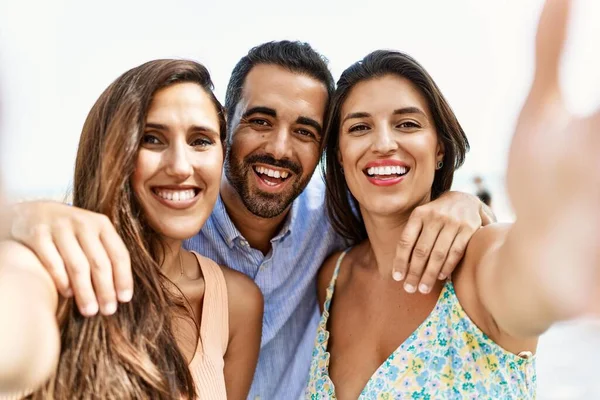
[263, 204]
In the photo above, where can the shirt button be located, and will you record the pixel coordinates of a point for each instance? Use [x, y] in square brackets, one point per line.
[244, 243]
[256, 397]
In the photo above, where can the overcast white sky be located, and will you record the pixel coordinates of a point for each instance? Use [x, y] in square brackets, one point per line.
[57, 57]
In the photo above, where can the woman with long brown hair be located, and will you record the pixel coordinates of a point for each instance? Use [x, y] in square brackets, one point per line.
[150, 159]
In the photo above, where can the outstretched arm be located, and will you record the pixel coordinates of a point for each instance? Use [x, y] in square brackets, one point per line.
[547, 267]
[29, 338]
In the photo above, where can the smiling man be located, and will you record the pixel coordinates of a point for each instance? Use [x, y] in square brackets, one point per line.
[270, 221]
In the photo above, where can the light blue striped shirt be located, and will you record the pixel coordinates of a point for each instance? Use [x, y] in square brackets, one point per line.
[287, 279]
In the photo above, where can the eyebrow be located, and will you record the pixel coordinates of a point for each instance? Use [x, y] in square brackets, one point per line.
[272, 113]
[310, 122]
[193, 128]
[409, 110]
[399, 111]
[260, 110]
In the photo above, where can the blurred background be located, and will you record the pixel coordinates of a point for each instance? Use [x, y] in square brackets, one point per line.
[57, 57]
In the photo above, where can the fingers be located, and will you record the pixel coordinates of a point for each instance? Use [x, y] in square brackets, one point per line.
[101, 273]
[407, 241]
[82, 252]
[420, 255]
[43, 246]
[456, 252]
[78, 268]
[437, 259]
[120, 260]
[550, 38]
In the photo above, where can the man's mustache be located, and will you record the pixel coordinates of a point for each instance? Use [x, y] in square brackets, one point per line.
[269, 160]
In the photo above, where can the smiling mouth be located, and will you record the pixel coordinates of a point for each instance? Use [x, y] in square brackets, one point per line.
[178, 195]
[387, 172]
[177, 198]
[271, 176]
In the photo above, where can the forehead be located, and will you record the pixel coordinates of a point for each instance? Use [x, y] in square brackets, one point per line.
[183, 104]
[290, 94]
[384, 94]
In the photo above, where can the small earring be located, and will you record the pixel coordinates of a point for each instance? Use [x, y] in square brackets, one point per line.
[342, 169]
[439, 165]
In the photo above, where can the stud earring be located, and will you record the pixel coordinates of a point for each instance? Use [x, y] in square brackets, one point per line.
[439, 164]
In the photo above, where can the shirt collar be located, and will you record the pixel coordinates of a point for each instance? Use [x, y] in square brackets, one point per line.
[224, 224]
[230, 233]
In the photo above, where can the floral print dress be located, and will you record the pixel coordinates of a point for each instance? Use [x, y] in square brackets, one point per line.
[446, 357]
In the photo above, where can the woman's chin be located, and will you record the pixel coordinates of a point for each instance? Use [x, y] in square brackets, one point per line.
[176, 231]
[387, 208]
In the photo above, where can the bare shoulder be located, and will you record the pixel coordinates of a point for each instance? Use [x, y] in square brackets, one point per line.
[244, 297]
[483, 242]
[465, 278]
[324, 276]
[487, 238]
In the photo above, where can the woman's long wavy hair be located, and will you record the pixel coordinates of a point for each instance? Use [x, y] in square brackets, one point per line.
[132, 354]
[342, 207]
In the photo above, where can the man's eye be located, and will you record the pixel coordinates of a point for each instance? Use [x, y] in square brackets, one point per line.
[259, 121]
[307, 133]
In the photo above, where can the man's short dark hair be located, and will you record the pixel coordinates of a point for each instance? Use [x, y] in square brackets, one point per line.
[295, 56]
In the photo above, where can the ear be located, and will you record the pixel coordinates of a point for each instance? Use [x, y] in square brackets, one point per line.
[440, 152]
[339, 157]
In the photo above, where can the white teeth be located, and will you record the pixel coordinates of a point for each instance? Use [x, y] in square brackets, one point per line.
[387, 170]
[271, 172]
[176, 195]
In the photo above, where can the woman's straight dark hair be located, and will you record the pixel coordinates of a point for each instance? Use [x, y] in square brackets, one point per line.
[341, 205]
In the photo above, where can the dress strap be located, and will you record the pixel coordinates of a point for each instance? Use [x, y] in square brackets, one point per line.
[214, 326]
[331, 287]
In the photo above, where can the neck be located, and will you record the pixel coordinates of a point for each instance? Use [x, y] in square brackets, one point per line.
[256, 230]
[384, 233]
[171, 265]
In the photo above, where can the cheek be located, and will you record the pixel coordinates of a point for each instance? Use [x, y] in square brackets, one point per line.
[245, 142]
[236, 150]
[146, 165]
[424, 149]
[309, 155]
[351, 151]
[209, 166]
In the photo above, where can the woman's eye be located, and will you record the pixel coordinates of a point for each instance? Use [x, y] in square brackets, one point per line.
[408, 124]
[202, 142]
[150, 139]
[358, 128]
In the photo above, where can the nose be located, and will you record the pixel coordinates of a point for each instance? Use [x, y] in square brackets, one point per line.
[279, 144]
[384, 141]
[178, 163]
